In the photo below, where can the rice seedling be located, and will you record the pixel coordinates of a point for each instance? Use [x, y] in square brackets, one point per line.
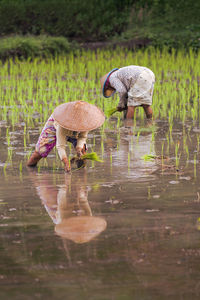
[162, 154]
[195, 165]
[91, 156]
[187, 154]
[8, 137]
[198, 141]
[88, 156]
[4, 169]
[152, 141]
[102, 147]
[129, 162]
[177, 155]
[138, 135]
[20, 167]
[148, 157]
[110, 112]
[111, 159]
[10, 152]
[198, 221]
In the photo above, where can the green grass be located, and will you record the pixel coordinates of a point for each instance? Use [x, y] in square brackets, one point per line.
[28, 47]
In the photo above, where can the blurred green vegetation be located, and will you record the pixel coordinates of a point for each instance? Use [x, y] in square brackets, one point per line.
[58, 24]
[30, 47]
[78, 19]
[165, 22]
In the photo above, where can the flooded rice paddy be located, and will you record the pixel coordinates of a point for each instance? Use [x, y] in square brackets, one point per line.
[127, 228]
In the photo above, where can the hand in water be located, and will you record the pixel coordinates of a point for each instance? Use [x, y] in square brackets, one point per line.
[67, 165]
[80, 151]
[67, 168]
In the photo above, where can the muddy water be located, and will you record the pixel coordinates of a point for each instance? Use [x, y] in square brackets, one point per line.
[122, 229]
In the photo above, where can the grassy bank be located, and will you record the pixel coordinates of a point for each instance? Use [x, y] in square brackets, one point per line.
[33, 46]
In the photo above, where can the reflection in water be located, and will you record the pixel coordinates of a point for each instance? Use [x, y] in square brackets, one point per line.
[152, 238]
[131, 147]
[69, 208]
[198, 224]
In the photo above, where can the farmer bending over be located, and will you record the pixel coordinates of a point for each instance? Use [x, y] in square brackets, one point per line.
[135, 87]
[69, 122]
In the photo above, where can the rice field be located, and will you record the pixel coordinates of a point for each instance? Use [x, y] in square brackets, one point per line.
[30, 90]
[33, 88]
[143, 184]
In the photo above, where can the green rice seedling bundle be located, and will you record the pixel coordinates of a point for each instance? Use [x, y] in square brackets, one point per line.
[88, 156]
[110, 112]
[148, 157]
[91, 156]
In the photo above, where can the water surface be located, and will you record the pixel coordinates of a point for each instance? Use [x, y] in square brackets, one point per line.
[122, 229]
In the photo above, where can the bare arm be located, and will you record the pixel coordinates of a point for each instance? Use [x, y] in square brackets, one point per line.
[81, 141]
[60, 145]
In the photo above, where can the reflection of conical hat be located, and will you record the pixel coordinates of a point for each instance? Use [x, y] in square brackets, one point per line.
[79, 116]
[81, 229]
[107, 92]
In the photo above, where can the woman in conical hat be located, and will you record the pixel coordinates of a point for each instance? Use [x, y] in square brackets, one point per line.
[134, 85]
[69, 122]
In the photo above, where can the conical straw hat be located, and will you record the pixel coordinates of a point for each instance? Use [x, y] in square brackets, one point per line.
[107, 92]
[81, 229]
[79, 116]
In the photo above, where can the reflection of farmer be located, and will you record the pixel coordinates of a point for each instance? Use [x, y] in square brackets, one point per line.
[135, 87]
[70, 211]
[129, 154]
[69, 122]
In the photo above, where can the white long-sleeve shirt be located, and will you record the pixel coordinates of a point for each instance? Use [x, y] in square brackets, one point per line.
[62, 133]
[123, 79]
